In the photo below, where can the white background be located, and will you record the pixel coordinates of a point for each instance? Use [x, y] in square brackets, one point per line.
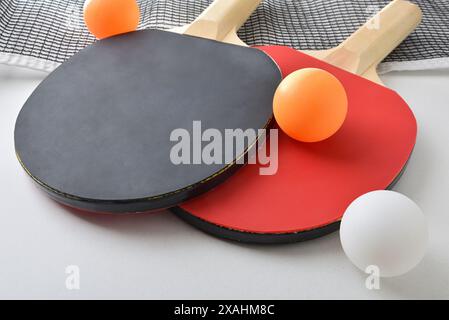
[158, 256]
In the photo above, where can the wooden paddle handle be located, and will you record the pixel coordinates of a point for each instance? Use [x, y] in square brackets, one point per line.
[221, 18]
[377, 38]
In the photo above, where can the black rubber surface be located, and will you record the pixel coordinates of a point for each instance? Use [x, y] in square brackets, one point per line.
[96, 133]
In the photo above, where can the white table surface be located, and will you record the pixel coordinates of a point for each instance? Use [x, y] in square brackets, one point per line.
[158, 256]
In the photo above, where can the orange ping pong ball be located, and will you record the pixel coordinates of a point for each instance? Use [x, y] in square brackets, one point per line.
[310, 105]
[106, 18]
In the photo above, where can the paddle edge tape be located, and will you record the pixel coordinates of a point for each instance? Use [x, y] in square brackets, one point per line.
[141, 205]
[264, 238]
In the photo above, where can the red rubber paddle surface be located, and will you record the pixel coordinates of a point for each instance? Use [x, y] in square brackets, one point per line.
[315, 182]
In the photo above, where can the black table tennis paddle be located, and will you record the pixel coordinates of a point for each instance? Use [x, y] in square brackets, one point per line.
[95, 134]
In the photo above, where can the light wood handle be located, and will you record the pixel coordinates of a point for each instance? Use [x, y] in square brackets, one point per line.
[221, 18]
[377, 38]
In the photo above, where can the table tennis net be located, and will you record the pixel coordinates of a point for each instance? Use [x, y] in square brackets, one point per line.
[41, 34]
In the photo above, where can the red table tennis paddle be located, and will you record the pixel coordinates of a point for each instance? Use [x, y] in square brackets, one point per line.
[316, 182]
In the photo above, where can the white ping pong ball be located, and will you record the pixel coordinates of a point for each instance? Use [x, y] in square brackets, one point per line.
[384, 229]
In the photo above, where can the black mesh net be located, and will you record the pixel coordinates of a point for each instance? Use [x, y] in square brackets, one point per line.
[53, 30]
